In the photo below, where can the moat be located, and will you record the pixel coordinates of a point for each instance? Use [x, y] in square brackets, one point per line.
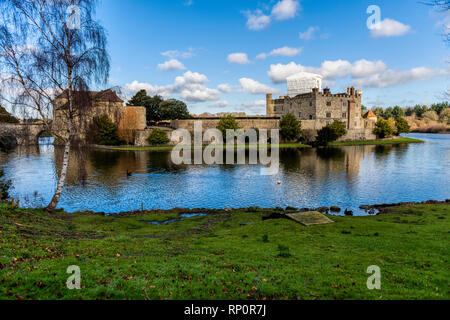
[341, 176]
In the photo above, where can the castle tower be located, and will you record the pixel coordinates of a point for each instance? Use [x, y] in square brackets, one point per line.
[269, 105]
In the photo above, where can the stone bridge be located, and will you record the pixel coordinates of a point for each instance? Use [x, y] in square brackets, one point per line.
[20, 134]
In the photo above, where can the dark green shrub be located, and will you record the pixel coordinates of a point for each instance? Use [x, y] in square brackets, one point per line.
[331, 133]
[290, 128]
[158, 137]
[402, 126]
[104, 132]
[265, 238]
[227, 123]
[4, 187]
[384, 129]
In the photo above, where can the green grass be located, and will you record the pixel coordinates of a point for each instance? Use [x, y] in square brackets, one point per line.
[224, 256]
[282, 146]
[165, 148]
[376, 142]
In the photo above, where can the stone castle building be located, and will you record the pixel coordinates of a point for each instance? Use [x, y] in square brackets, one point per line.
[316, 109]
[322, 107]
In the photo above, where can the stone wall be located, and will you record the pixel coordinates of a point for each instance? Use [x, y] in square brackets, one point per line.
[310, 127]
[142, 136]
[244, 123]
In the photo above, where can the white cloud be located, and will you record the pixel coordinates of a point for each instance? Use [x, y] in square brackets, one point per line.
[389, 78]
[176, 54]
[279, 72]
[330, 70]
[365, 74]
[335, 69]
[135, 86]
[363, 68]
[257, 20]
[284, 51]
[199, 93]
[220, 104]
[190, 77]
[255, 87]
[225, 88]
[285, 9]
[254, 107]
[308, 34]
[190, 87]
[238, 58]
[256, 103]
[389, 28]
[171, 65]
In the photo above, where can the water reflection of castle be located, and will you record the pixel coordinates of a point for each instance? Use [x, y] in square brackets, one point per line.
[109, 167]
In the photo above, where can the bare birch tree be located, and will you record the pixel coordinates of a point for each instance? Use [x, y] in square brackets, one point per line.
[49, 48]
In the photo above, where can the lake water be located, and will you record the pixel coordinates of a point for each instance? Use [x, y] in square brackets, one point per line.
[346, 177]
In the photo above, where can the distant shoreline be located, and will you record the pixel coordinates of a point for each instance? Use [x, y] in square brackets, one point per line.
[281, 146]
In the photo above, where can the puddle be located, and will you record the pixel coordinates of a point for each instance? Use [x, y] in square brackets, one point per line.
[182, 216]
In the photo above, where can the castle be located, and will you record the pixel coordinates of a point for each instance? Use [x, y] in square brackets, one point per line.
[316, 108]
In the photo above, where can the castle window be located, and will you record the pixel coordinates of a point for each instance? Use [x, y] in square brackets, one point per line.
[310, 104]
[310, 117]
[328, 114]
[344, 103]
[299, 114]
[344, 115]
[329, 103]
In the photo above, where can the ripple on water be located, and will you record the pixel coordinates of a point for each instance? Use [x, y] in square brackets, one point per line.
[346, 177]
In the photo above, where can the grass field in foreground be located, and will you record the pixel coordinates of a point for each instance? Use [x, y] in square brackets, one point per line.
[164, 148]
[376, 142]
[224, 256]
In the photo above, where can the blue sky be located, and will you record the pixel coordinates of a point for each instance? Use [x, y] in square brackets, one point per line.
[221, 56]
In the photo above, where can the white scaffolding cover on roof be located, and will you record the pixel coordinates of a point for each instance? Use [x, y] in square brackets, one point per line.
[303, 82]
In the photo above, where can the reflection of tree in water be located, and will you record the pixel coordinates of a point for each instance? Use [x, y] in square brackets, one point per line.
[290, 158]
[382, 150]
[82, 158]
[104, 160]
[336, 154]
[161, 161]
[398, 151]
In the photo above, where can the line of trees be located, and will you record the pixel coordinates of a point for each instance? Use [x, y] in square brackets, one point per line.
[437, 112]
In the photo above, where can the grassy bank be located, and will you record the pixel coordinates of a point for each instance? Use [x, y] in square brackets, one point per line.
[224, 256]
[376, 142]
[281, 146]
[168, 148]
